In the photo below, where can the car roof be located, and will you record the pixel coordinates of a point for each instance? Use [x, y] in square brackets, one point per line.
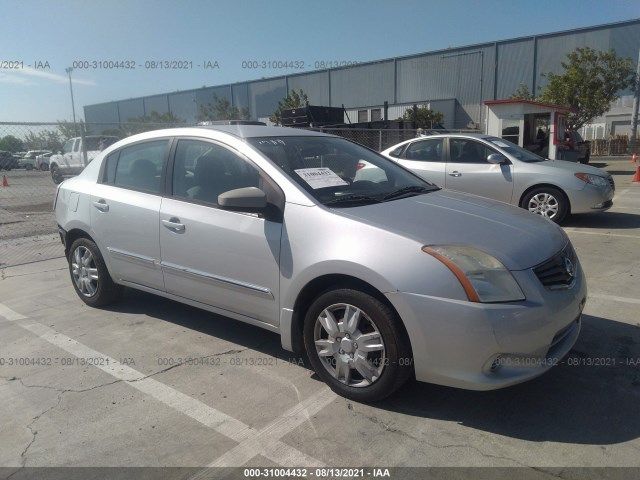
[453, 134]
[250, 131]
[238, 131]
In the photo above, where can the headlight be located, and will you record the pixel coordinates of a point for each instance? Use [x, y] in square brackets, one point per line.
[482, 276]
[596, 180]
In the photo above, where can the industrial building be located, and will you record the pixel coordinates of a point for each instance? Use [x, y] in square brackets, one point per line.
[455, 81]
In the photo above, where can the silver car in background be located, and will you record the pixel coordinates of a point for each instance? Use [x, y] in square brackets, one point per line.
[376, 279]
[496, 168]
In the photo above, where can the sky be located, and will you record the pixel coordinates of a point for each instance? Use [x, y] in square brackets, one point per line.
[40, 39]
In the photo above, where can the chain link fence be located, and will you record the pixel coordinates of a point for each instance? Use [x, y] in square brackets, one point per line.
[28, 230]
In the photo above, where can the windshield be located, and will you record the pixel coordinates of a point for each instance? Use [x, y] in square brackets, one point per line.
[338, 172]
[514, 150]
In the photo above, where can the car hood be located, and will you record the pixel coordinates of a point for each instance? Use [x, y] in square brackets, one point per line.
[516, 237]
[570, 167]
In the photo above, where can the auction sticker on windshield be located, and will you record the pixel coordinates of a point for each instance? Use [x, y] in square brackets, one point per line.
[321, 177]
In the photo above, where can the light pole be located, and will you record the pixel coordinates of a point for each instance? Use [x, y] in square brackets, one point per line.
[73, 107]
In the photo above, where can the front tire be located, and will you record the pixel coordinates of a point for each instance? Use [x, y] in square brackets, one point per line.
[548, 202]
[356, 345]
[89, 274]
[56, 176]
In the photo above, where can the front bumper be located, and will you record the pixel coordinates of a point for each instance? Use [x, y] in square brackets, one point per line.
[480, 346]
[591, 199]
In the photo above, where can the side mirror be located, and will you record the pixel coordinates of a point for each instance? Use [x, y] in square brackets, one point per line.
[497, 158]
[248, 199]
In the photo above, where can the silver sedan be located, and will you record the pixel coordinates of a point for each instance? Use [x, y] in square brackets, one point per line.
[496, 168]
[376, 279]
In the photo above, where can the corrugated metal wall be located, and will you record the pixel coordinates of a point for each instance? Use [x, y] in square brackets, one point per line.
[128, 109]
[362, 85]
[183, 105]
[448, 74]
[315, 85]
[514, 67]
[265, 95]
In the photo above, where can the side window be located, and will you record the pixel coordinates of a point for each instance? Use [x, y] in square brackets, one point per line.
[76, 146]
[425, 150]
[464, 150]
[138, 167]
[396, 151]
[68, 145]
[110, 170]
[203, 170]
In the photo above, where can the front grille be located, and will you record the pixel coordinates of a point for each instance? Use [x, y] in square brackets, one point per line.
[612, 183]
[560, 270]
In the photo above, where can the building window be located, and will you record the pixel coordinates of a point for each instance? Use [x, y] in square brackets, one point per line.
[363, 116]
[376, 114]
[511, 130]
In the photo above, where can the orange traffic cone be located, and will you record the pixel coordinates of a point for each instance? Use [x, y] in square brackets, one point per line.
[636, 177]
[633, 158]
[4, 181]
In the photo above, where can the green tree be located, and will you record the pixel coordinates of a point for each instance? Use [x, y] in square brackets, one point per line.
[590, 82]
[426, 118]
[44, 139]
[152, 121]
[293, 100]
[522, 93]
[70, 130]
[11, 144]
[221, 109]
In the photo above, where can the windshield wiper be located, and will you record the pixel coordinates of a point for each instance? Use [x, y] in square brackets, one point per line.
[353, 199]
[407, 191]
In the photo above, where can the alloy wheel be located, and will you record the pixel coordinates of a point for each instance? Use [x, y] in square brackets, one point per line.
[84, 271]
[349, 345]
[544, 204]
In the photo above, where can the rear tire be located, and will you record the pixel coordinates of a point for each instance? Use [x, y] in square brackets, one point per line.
[56, 176]
[89, 274]
[356, 345]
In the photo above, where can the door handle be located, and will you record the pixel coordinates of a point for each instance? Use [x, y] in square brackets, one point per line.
[101, 205]
[455, 173]
[174, 224]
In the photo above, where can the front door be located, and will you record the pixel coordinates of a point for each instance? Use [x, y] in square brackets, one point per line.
[469, 171]
[222, 258]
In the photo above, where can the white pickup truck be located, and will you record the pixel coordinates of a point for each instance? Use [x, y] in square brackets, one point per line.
[70, 161]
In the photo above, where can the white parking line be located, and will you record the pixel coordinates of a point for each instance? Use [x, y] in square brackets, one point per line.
[575, 230]
[260, 442]
[290, 420]
[614, 298]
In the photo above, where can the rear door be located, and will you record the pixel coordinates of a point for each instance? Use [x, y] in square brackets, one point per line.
[125, 212]
[427, 159]
[224, 258]
[469, 171]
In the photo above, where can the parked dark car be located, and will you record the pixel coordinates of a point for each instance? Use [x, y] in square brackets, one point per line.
[8, 161]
